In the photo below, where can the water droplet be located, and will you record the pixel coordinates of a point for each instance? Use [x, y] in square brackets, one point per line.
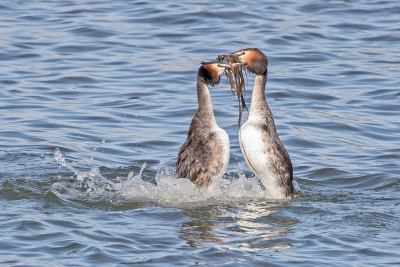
[42, 155]
[141, 170]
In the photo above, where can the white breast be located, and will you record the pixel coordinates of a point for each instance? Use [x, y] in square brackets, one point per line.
[224, 141]
[259, 161]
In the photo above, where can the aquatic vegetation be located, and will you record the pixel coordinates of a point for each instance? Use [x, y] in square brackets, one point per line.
[237, 82]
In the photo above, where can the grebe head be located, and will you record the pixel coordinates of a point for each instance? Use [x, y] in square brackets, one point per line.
[253, 60]
[210, 72]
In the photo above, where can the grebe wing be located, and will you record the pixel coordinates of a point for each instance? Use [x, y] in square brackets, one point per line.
[280, 158]
[200, 159]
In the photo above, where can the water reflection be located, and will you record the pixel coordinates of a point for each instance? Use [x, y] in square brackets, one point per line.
[203, 228]
[252, 226]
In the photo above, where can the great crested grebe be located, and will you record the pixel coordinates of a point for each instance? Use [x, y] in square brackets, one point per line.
[261, 147]
[204, 156]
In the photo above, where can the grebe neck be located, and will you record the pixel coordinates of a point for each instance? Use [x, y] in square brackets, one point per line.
[205, 110]
[259, 106]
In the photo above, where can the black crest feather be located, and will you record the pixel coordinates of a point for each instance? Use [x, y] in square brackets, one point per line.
[207, 76]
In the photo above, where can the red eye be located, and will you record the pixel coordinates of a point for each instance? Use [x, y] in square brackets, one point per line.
[218, 65]
[243, 53]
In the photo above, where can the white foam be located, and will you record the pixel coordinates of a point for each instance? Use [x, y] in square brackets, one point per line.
[166, 189]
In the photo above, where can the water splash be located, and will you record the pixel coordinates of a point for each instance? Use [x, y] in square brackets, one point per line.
[92, 152]
[165, 188]
[92, 181]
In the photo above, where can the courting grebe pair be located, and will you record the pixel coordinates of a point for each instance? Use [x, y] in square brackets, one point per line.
[204, 156]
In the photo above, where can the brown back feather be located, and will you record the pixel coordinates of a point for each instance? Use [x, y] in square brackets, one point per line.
[199, 158]
[281, 160]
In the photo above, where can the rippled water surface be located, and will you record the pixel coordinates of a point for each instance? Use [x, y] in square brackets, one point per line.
[96, 99]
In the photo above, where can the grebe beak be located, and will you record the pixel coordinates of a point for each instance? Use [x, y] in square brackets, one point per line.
[229, 66]
[227, 55]
[236, 64]
[224, 65]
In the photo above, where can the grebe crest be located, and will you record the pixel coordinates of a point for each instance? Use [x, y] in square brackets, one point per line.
[253, 60]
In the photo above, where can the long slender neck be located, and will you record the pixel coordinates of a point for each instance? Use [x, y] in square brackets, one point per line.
[205, 110]
[259, 107]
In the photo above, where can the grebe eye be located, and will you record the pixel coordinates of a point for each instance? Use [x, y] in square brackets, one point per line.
[218, 65]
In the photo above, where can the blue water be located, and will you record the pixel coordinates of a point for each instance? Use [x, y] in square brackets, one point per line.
[96, 99]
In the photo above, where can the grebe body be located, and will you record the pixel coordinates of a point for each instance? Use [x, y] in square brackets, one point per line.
[204, 156]
[261, 146]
